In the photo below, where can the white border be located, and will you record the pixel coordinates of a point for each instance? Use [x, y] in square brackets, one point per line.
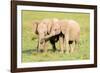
[55, 63]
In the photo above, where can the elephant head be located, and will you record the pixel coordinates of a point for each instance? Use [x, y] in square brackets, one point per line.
[35, 26]
[54, 29]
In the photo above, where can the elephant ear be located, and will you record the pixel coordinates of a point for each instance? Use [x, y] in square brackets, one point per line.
[48, 24]
[35, 25]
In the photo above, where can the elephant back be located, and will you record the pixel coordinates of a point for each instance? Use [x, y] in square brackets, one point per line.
[64, 26]
[74, 31]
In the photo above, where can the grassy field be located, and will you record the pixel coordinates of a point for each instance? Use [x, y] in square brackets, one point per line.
[29, 46]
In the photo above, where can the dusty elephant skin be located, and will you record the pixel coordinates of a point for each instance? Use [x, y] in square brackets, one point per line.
[43, 28]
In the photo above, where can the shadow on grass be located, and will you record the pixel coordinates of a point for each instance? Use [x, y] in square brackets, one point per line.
[30, 51]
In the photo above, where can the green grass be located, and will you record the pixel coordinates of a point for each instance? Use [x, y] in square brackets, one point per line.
[29, 46]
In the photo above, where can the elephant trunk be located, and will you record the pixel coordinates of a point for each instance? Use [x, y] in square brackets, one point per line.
[48, 36]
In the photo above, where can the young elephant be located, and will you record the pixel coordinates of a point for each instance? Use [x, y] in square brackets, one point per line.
[56, 32]
[43, 28]
[71, 31]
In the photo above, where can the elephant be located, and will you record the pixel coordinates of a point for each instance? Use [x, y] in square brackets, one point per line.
[43, 28]
[71, 31]
[69, 34]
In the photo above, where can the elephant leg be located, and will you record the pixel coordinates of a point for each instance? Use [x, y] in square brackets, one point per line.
[67, 49]
[53, 44]
[77, 45]
[40, 48]
[45, 46]
[61, 43]
[41, 43]
[38, 45]
[72, 47]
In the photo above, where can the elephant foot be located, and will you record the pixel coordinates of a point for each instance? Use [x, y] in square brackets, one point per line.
[54, 50]
[40, 51]
[72, 50]
[66, 51]
[62, 52]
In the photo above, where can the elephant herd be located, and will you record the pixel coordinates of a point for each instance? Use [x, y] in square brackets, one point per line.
[67, 32]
